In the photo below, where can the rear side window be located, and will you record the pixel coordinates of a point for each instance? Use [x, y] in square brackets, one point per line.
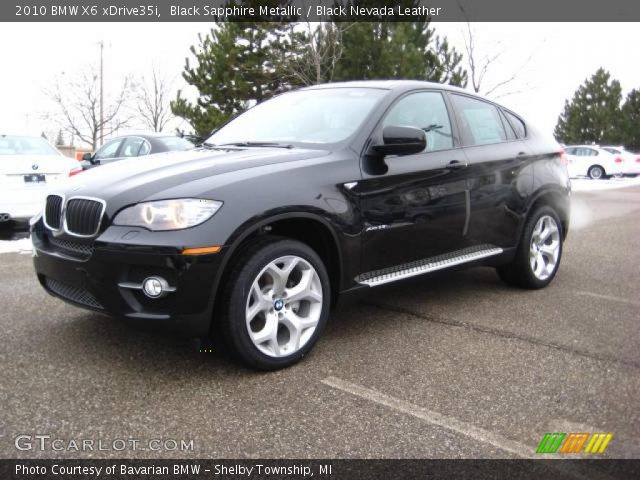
[517, 124]
[145, 148]
[511, 134]
[586, 152]
[426, 111]
[479, 121]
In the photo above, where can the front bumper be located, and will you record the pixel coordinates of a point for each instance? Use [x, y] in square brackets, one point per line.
[88, 275]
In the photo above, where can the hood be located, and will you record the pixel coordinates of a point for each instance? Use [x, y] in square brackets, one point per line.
[145, 178]
[24, 164]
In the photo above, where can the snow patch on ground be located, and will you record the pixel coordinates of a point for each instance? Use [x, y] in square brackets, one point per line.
[588, 185]
[22, 245]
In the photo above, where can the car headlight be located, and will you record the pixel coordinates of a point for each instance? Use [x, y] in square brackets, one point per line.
[168, 214]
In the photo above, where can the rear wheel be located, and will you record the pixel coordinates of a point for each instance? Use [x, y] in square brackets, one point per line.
[538, 256]
[278, 303]
[596, 172]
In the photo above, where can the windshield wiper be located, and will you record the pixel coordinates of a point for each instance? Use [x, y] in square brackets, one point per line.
[257, 144]
[212, 146]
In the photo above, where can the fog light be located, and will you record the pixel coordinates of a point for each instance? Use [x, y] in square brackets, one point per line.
[155, 287]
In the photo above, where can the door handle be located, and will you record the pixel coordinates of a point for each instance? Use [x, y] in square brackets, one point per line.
[521, 154]
[457, 164]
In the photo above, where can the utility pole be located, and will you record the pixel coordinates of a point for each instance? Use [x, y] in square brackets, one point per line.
[101, 92]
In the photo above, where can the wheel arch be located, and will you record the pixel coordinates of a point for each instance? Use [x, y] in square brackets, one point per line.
[309, 228]
[557, 199]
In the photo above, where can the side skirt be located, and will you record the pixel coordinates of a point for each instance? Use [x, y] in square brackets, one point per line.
[427, 265]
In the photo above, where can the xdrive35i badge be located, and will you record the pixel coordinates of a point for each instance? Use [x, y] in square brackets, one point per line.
[376, 227]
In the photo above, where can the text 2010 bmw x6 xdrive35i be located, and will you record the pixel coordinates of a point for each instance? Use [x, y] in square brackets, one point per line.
[309, 195]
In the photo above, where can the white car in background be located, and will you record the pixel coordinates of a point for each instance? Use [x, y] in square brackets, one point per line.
[29, 166]
[631, 164]
[592, 161]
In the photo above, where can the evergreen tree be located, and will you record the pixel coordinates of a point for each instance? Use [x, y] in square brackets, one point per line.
[240, 63]
[593, 115]
[631, 119]
[401, 50]
[234, 66]
[235, 63]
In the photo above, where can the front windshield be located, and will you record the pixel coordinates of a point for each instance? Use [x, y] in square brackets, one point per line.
[327, 115]
[16, 145]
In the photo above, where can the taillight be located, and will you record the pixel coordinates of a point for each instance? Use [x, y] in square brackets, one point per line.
[638, 160]
[564, 160]
[618, 160]
[75, 171]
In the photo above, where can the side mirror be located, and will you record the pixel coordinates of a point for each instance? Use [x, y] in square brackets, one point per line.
[91, 158]
[401, 141]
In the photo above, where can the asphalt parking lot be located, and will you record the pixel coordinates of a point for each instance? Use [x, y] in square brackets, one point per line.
[453, 366]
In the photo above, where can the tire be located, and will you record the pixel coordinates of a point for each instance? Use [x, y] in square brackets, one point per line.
[596, 172]
[534, 266]
[261, 326]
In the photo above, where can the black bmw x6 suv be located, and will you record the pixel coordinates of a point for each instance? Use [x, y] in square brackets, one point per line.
[312, 194]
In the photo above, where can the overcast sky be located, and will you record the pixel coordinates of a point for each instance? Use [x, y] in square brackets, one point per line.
[551, 59]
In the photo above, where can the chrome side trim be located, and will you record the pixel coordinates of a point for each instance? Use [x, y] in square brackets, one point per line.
[44, 211]
[428, 265]
[79, 197]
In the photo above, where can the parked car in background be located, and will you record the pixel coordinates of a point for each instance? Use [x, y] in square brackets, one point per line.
[29, 166]
[631, 163]
[138, 145]
[592, 161]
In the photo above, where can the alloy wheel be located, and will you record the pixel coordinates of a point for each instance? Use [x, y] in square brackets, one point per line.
[284, 306]
[544, 250]
[596, 173]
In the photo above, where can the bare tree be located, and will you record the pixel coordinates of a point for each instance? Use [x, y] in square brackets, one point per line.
[317, 50]
[153, 102]
[78, 100]
[479, 65]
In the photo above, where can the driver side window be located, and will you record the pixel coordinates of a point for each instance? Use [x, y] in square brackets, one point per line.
[109, 150]
[426, 111]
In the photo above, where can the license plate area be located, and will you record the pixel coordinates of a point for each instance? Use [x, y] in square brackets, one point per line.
[35, 178]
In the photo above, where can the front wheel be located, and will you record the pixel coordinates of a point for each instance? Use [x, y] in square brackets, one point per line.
[278, 303]
[538, 256]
